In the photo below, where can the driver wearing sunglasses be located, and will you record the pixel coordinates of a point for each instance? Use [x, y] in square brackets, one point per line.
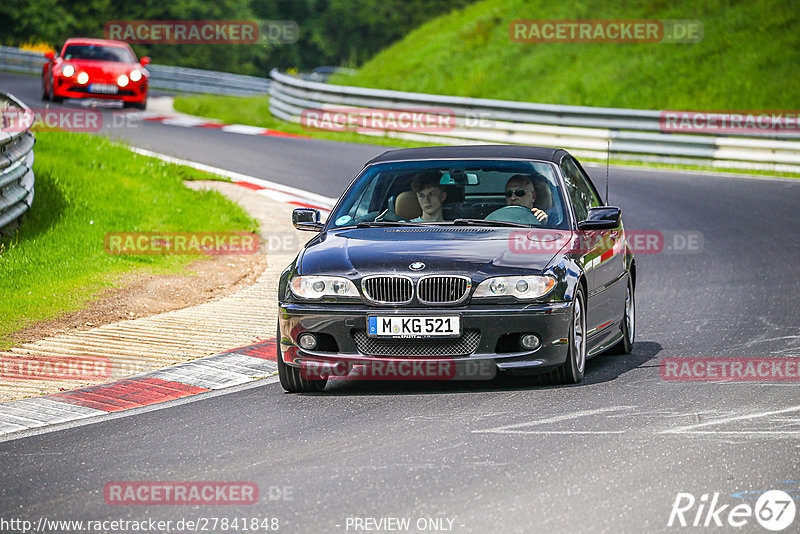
[520, 192]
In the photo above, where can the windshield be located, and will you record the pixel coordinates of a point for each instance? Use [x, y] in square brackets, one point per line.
[99, 53]
[491, 193]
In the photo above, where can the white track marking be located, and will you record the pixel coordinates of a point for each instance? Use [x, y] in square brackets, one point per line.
[323, 201]
[184, 121]
[693, 428]
[556, 432]
[513, 429]
[243, 129]
[742, 432]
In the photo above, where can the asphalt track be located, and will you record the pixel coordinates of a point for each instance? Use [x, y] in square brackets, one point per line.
[608, 455]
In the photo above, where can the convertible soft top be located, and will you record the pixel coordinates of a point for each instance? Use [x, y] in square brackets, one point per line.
[473, 151]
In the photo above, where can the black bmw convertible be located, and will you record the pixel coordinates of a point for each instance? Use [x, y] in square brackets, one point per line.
[446, 262]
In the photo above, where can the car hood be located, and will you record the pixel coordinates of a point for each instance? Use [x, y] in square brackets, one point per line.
[103, 69]
[462, 250]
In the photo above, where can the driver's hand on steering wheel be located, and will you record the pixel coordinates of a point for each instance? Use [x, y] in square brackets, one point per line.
[539, 214]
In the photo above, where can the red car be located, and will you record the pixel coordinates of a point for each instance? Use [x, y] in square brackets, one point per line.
[96, 68]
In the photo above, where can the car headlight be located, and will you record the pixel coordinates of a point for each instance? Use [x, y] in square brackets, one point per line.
[521, 287]
[122, 81]
[68, 70]
[83, 77]
[317, 287]
[136, 75]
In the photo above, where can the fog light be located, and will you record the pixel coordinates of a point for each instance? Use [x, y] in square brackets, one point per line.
[307, 341]
[498, 287]
[83, 78]
[530, 341]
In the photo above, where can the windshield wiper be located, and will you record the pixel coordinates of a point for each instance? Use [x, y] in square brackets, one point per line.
[484, 222]
[374, 224]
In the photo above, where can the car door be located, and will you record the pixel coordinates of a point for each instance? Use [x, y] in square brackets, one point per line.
[603, 253]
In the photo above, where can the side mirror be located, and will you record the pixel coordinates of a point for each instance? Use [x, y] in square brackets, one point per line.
[145, 61]
[50, 56]
[601, 218]
[307, 219]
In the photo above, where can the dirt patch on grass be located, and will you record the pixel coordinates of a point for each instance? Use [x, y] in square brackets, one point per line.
[141, 295]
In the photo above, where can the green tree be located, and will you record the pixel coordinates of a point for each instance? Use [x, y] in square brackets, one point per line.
[332, 32]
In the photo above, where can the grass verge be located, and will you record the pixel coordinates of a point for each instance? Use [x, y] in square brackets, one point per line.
[87, 186]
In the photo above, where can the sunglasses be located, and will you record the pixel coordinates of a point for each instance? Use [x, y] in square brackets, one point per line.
[517, 192]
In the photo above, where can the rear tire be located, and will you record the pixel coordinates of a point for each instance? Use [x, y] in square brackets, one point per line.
[292, 378]
[625, 345]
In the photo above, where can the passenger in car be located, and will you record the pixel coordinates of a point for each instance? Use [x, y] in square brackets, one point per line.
[521, 192]
[431, 195]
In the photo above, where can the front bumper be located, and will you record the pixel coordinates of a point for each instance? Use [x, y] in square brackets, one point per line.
[341, 329]
[68, 88]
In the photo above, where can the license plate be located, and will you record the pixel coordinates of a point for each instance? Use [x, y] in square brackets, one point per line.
[416, 326]
[105, 88]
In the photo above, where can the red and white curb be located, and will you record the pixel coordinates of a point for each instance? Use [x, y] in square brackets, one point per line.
[231, 368]
[228, 369]
[188, 121]
[273, 190]
[195, 377]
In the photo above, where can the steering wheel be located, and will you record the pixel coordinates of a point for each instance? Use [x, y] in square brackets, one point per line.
[514, 214]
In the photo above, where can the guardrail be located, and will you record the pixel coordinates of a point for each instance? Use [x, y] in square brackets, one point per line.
[622, 134]
[179, 79]
[16, 161]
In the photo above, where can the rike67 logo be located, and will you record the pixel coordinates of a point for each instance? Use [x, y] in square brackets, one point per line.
[774, 510]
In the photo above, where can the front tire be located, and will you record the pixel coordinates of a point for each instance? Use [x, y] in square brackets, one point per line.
[53, 97]
[573, 370]
[135, 105]
[292, 378]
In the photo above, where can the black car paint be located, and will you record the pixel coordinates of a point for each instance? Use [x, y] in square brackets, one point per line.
[602, 269]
